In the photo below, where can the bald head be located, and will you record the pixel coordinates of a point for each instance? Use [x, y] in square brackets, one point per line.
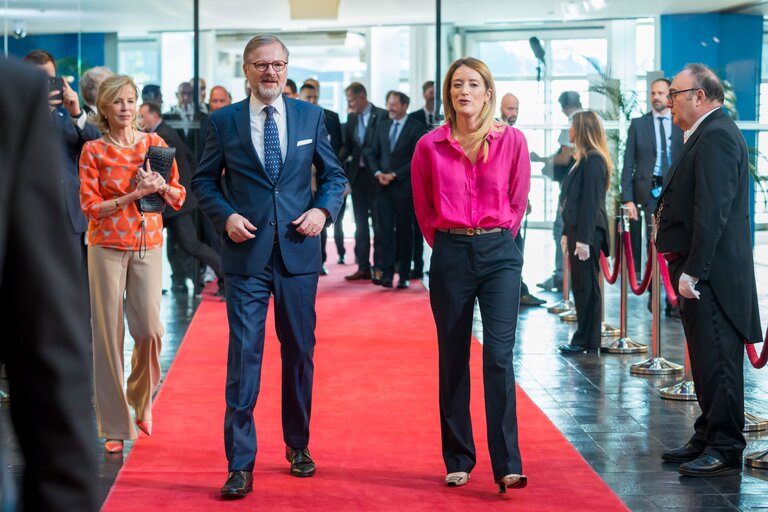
[509, 108]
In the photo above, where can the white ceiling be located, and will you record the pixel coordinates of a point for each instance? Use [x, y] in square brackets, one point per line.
[54, 16]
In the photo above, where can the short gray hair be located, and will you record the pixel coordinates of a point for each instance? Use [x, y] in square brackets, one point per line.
[90, 82]
[262, 40]
[707, 81]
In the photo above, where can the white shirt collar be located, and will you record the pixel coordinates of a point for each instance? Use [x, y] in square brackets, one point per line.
[257, 105]
[689, 132]
[656, 115]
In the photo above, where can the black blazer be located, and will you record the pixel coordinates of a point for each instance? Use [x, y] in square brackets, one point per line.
[640, 159]
[352, 147]
[44, 296]
[333, 125]
[72, 140]
[398, 160]
[421, 117]
[582, 200]
[712, 176]
[186, 162]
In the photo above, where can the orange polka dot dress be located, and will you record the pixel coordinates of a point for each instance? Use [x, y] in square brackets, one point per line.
[106, 172]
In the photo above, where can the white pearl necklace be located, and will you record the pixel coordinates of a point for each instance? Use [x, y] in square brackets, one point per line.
[121, 146]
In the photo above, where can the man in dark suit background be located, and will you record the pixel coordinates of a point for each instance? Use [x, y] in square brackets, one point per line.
[310, 93]
[426, 114]
[183, 244]
[41, 292]
[390, 158]
[360, 134]
[703, 231]
[647, 160]
[272, 222]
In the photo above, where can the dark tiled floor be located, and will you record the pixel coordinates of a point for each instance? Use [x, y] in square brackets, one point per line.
[616, 421]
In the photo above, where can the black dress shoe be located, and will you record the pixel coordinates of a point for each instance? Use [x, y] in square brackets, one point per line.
[238, 485]
[302, 464]
[417, 274]
[340, 261]
[707, 465]
[386, 282]
[403, 284]
[531, 300]
[359, 275]
[685, 453]
[573, 349]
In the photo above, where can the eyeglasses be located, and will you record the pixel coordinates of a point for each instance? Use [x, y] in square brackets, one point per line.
[673, 93]
[277, 65]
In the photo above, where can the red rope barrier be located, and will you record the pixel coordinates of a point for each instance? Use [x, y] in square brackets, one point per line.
[637, 290]
[754, 359]
[611, 277]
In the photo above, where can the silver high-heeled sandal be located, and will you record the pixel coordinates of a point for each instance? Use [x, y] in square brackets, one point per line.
[457, 478]
[512, 481]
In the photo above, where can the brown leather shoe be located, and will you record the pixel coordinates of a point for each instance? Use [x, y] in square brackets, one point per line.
[302, 464]
[238, 485]
[359, 275]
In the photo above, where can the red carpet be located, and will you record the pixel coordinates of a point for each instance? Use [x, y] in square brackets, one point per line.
[375, 427]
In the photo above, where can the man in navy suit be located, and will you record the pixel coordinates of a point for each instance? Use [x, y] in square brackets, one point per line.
[272, 222]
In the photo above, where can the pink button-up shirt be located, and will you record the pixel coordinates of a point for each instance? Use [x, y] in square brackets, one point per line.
[450, 192]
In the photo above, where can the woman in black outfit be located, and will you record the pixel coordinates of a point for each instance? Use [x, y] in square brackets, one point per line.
[585, 226]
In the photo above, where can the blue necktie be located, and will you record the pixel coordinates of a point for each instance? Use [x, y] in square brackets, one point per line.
[273, 158]
[393, 135]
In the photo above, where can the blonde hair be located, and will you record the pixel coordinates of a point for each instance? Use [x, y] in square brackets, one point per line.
[109, 90]
[477, 140]
[589, 135]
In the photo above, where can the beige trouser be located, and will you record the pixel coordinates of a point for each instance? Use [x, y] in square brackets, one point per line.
[112, 274]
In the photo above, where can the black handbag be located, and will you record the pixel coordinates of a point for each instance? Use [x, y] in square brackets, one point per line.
[161, 161]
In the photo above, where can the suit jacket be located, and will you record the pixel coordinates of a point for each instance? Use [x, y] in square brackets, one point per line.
[352, 147]
[640, 159]
[398, 159]
[421, 117]
[271, 207]
[582, 200]
[703, 211]
[186, 163]
[333, 125]
[195, 137]
[72, 140]
[43, 295]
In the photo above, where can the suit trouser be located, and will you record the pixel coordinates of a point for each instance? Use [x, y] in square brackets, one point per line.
[418, 244]
[115, 273]
[394, 208]
[486, 268]
[295, 319]
[585, 284]
[716, 350]
[182, 230]
[364, 193]
[338, 234]
[520, 243]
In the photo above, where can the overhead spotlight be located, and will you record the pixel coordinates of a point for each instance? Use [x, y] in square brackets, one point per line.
[19, 29]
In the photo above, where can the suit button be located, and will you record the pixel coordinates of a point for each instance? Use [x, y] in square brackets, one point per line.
[272, 223]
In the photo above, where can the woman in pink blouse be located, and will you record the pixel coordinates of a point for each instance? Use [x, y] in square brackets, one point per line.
[470, 187]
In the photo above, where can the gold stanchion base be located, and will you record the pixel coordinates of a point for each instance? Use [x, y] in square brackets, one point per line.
[681, 391]
[560, 307]
[655, 366]
[754, 423]
[624, 346]
[608, 331]
[757, 460]
[569, 316]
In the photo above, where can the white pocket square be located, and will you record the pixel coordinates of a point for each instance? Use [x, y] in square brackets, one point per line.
[304, 142]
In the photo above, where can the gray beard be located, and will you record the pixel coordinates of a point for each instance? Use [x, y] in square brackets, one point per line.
[267, 92]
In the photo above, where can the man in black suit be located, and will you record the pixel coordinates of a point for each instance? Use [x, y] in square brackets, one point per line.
[647, 159]
[390, 158]
[360, 134]
[703, 231]
[41, 297]
[183, 243]
[310, 92]
[426, 114]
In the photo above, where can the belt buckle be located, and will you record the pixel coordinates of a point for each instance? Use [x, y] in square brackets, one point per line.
[473, 231]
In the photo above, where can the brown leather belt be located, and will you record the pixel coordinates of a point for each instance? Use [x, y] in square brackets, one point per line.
[674, 256]
[470, 231]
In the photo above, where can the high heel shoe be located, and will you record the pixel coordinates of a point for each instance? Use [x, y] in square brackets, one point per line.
[512, 481]
[113, 446]
[456, 479]
[145, 426]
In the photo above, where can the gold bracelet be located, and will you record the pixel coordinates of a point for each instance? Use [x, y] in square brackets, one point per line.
[117, 202]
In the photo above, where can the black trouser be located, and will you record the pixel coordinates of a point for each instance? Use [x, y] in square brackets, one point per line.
[716, 350]
[486, 268]
[338, 234]
[395, 227]
[585, 285]
[418, 245]
[364, 192]
[520, 245]
[181, 230]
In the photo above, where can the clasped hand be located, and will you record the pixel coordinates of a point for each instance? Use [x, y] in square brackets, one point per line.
[148, 181]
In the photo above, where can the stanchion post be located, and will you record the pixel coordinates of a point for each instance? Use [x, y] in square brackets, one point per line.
[624, 345]
[606, 330]
[656, 364]
[684, 390]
